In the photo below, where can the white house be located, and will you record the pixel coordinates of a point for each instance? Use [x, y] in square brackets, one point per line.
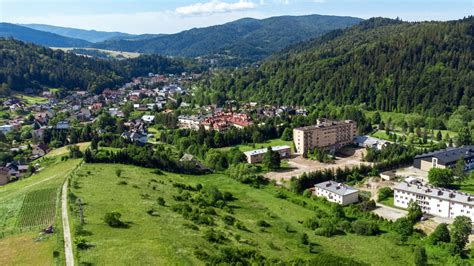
[337, 192]
[148, 118]
[370, 142]
[189, 122]
[436, 201]
[6, 128]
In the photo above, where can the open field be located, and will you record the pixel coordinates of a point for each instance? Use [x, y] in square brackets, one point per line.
[64, 150]
[112, 53]
[17, 213]
[30, 99]
[167, 238]
[298, 165]
[22, 249]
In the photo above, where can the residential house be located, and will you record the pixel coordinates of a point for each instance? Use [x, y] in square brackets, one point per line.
[336, 192]
[256, 156]
[446, 158]
[40, 150]
[4, 175]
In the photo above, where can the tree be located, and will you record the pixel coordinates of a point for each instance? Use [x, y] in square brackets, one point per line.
[404, 228]
[440, 234]
[271, 159]
[458, 170]
[118, 172]
[414, 212]
[439, 136]
[304, 239]
[287, 134]
[113, 219]
[384, 193]
[464, 137]
[420, 256]
[381, 125]
[440, 177]
[216, 160]
[376, 118]
[462, 227]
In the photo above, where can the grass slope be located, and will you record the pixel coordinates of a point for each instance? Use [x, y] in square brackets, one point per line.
[165, 239]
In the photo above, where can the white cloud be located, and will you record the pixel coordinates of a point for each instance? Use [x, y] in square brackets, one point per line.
[215, 6]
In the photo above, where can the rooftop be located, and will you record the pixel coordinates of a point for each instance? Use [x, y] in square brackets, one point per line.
[325, 123]
[337, 188]
[440, 193]
[449, 155]
[261, 151]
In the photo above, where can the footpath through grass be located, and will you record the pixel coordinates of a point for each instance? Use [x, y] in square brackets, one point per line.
[157, 235]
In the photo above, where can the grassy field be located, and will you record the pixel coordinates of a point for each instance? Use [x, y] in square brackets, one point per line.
[30, 100]
[167, 238]
[19, 223]
[467, 186]
[388, 201]
[64, 150]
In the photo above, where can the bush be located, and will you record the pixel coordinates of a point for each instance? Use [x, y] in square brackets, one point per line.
[384, 193]
[161, 201]
[113, 219]
[440, 234]
[365, 228]
[281, 195]
[239, 225]
[420, 256]
[229, 219]
[215, 236]
[81, 243]
[304, 239]
[263, 223]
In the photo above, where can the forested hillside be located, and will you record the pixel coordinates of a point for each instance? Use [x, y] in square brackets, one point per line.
[29, 66]
[39, 37]
[248, 39]
[388, 65]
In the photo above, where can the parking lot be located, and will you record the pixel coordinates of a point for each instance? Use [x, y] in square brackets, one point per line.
[298, 165]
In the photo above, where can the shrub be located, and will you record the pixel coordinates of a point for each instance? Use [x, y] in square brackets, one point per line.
[229, 219]
[113, 219]
[420, 256]
[384, 193]
[440, 234]
[122, 182]
[281, 195]
[304, 239]
[263, 223]
[366, 228]
[215, 236]
[118, 172]
[161, 201]
[81, 243]
[210, 211]
[239, 225]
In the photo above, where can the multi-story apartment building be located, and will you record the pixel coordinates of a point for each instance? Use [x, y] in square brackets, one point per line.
[435, 201]
[446, 158]
[336, 192]
[326, 134]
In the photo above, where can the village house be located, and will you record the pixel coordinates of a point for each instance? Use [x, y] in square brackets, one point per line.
[446, 158]
[189, 122]
[40, 150]
[256, 156]
[16, 169]
[436, 201]
[148, 118]
[4, 176]
[6, 128]
[371, 142]
[336, 192]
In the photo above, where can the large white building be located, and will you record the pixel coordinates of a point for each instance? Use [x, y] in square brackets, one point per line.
[436, 201]
[337, 192]
[256, 156]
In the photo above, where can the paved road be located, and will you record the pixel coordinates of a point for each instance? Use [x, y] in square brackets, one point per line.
[66, 229]
[389, 212]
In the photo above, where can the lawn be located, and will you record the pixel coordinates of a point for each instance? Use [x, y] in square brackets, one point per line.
[22, 249]
[388, 202]
[467, 186]
[30, 100]
[167, 238]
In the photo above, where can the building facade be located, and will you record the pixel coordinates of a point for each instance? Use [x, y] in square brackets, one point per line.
[256, 156]
[326, 135]
[446, 158]
[435, 201]
[336, 192]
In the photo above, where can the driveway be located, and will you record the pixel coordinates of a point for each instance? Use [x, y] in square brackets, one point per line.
[389, 213]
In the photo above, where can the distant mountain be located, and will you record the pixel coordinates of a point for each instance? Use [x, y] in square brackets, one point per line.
[383, 64]
[247, 38]
[39, 37]
[88, 35]
[24, 65]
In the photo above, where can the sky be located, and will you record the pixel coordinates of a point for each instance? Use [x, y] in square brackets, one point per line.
[166, 16]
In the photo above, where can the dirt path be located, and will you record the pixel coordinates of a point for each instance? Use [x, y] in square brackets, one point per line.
[66, 229]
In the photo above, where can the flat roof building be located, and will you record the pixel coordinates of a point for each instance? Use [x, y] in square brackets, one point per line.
[256, 156]
[436, 201]
[337, 192]
[326, 135]
[445, 158]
